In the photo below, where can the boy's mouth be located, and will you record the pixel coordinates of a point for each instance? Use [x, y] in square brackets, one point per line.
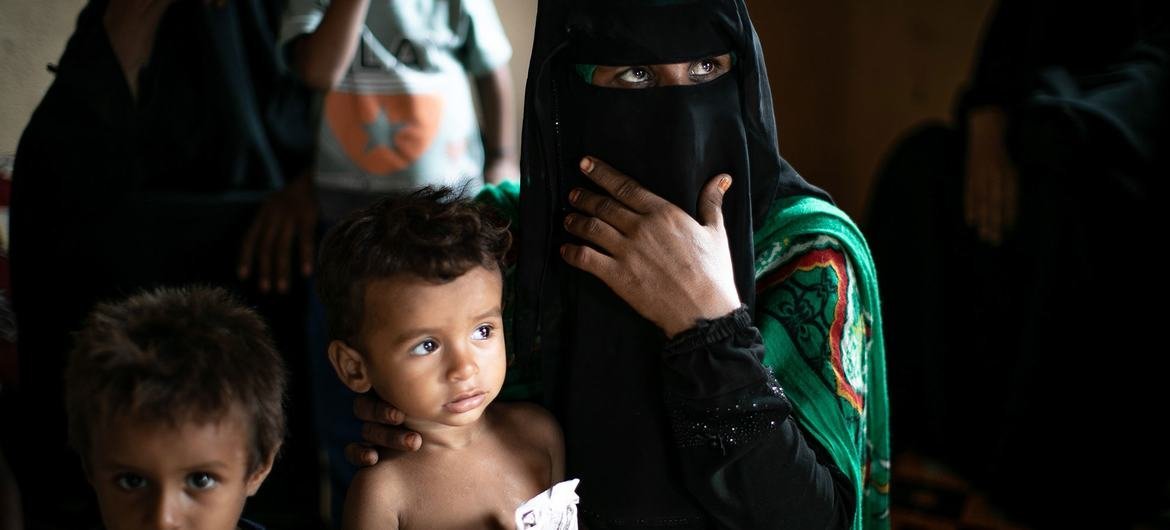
[466, 401]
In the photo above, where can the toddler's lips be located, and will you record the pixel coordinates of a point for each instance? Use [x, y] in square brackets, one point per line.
[466, 401]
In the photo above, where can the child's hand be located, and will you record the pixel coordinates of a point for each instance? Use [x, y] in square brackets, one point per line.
[380, 431]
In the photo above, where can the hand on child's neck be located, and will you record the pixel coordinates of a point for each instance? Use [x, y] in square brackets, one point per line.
[439, 436]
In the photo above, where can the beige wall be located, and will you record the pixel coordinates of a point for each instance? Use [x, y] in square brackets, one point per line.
[519, 18]
[32, 34]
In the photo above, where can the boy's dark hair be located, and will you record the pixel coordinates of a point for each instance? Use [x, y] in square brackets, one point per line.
[175, 355]
[431, 233]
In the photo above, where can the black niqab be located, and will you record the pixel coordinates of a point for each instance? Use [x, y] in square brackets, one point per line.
[601, 359]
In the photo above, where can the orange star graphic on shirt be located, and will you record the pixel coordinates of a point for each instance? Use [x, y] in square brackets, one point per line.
[383, 134]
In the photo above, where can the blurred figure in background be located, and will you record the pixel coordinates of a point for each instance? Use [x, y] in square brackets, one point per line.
[1015, 251]
[168, 123]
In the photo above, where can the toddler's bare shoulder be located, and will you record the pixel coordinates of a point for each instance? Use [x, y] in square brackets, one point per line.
[529, 421]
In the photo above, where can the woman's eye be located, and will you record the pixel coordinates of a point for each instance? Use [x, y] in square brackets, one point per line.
[201, 481]
[425, 347]
[703, 68]
[635, 76]
[483, 332]
[130, 481]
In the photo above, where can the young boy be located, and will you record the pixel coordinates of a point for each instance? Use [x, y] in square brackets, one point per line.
[175, 403]
[412, 290]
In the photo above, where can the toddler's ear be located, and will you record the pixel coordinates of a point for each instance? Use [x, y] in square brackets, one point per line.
[257, 477]
[350, 366]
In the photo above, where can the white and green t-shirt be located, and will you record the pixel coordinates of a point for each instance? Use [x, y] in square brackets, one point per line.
[403, 117]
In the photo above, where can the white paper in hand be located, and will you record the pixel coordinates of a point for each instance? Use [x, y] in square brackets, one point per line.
[554, 509]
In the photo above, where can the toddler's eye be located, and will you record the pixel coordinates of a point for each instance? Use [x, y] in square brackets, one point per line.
[130, 481]
[483, 332]
[426, 347]
[635, 75]
[201, 481]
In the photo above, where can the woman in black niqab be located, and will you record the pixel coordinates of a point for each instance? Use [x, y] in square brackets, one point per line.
[623, 416]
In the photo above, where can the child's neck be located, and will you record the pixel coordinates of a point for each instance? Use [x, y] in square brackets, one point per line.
[439, 436]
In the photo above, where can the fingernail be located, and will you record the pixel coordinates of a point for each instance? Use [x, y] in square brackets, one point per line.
[395, 416]
[568, 220]
[587, 164]
[724, 183]
[574, 195]
[413, 441]
[564, 250]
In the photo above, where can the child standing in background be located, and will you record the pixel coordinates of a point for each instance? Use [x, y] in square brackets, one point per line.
[399, 114]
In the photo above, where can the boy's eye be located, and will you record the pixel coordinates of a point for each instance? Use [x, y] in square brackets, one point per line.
[130, 481]
[483, 332]
[426, 347]
[201, 481]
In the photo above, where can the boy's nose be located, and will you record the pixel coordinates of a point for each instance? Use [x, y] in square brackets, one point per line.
[462, 365]
[167, 511]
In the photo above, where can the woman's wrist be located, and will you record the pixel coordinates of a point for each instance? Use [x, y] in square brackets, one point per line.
[706, 331]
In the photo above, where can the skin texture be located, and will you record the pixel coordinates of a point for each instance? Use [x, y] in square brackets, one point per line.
[427, 345]
[191, 476]
[675, 74]
[670, 268]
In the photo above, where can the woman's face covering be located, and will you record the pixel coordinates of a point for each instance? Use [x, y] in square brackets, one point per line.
[658, 75]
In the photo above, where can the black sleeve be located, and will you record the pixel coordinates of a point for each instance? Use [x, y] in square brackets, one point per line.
[742, 454]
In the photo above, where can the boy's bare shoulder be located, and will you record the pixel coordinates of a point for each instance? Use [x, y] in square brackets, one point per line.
[378, 494]
[529, 421]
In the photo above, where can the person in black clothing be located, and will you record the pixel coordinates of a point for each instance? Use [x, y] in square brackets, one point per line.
[1021, 320]
[168, 124]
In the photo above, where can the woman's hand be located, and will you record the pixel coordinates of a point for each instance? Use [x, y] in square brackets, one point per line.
[380, 430]
[991, 185]
[287, 215]
[670, 268]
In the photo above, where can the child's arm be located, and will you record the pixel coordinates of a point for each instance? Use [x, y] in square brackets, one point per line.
[499, 125]
[322, 57]
[372, 500]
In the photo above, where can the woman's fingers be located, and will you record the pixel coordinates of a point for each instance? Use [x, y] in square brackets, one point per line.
[595, 231]
[711, 201]
[373, 410]
[591, 261]
[390, 437]
[605, 208]
[623, 188]
[361, 455]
